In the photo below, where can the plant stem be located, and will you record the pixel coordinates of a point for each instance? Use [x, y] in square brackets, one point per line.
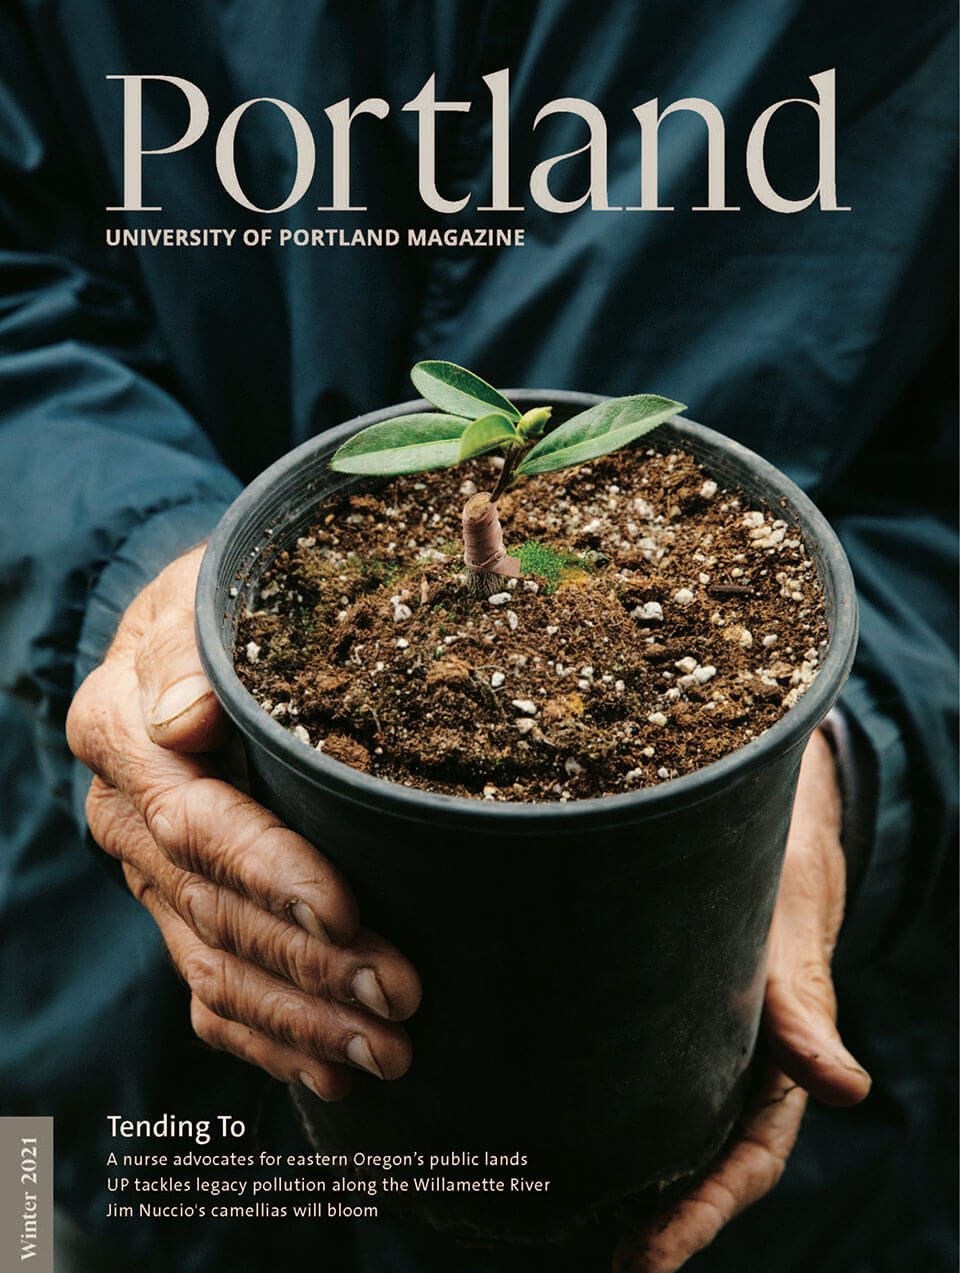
[509, 463]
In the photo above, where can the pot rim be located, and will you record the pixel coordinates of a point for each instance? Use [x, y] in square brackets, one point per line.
[417, 804]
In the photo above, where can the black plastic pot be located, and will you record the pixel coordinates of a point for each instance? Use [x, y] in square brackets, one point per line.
[593, 971]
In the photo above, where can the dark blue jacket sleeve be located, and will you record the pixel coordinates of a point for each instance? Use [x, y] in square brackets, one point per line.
[105, 476]
[895, 512]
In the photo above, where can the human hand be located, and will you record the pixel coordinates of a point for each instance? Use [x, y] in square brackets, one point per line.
[799, 1029]
[264, 931]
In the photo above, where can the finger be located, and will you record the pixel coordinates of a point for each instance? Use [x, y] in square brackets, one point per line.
[800, 1005]
[239, 992]
[750, 1170]
[800, 1008]
[105, 731]
[209, 828]
[205, 825]
[370, 974]
[329, 1082]
[178, 705]
[799, 1024]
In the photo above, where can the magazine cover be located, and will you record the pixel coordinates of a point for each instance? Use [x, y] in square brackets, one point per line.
[478, 622]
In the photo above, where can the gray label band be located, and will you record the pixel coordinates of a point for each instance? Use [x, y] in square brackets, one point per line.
[26, 1194]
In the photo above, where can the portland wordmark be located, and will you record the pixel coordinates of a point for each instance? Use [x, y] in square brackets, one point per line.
[342, 115]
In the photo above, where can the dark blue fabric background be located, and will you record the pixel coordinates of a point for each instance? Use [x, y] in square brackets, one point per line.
[139, 389]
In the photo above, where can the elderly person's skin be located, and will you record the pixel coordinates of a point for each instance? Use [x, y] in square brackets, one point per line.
[266, 934]
[262, 928]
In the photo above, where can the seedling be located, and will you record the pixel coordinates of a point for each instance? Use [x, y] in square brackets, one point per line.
[473, 418]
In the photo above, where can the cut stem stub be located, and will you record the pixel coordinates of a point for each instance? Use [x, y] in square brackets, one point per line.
[484, 552]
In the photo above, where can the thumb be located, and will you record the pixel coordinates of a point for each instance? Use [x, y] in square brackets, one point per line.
[178, 705]
[799, 1020]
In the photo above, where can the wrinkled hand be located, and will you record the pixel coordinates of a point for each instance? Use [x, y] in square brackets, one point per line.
[799, 1027]
[264, 931]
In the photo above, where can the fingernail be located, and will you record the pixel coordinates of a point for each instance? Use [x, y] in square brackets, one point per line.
[367, 989]
[179, 698]
[854, 1066]
[200, 927]
[846, 1059]
[308, 1083]
[358, 1052]
[849, 1063]
[308, 921]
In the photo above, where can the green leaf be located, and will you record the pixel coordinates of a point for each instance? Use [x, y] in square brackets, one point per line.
[486, 433]
[405, 444]
[604, 428]
[454, 389]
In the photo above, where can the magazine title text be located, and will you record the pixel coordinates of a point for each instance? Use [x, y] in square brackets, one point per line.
[342, 115]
